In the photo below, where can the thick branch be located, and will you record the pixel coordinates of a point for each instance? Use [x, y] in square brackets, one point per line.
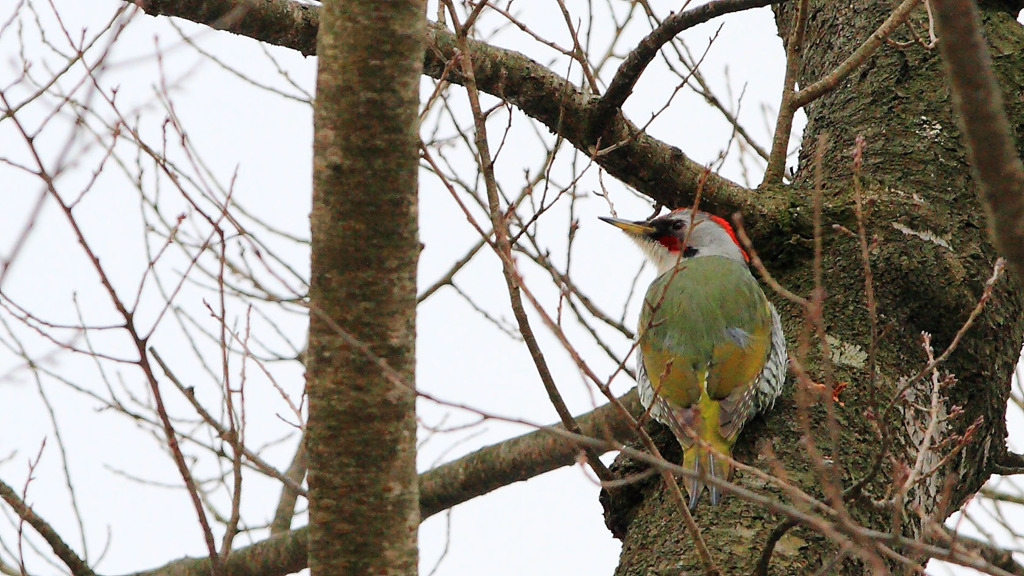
[278, 555]
[278, 22]
[1009, 463]
[658, 170]
[1001, 558]
[444, 487]
[68, 556]
[289, 494]
[987, 134]
[793, 101]
[636, 62]
[517, 459]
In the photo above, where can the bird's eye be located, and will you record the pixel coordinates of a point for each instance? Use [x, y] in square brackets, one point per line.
[677, 226]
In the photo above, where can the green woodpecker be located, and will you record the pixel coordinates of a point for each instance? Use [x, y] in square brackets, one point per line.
[711, 352]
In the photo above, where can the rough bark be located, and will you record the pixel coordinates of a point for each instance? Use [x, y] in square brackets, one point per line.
[930, 263]
[361, 432]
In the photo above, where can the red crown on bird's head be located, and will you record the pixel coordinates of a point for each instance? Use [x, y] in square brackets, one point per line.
[717, 220]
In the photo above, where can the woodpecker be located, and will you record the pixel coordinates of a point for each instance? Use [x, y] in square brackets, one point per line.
[711, 353]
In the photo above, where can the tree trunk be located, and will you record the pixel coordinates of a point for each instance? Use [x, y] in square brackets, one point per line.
[930, 263]
[361, 435]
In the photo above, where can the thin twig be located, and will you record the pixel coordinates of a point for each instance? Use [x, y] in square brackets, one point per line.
[68, 556]
[630, 70]
[793, 101]
[784, 122]
[503, 248]
[997, 272]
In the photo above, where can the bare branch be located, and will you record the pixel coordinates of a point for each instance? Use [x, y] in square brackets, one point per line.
[517, 459]
[634, 65]
[290, 493]
[1009, 463]
[278, 22]
[793, 101]
[442, 488]
[657, 169]
[68, 556]
[994, 555]
[503, 246]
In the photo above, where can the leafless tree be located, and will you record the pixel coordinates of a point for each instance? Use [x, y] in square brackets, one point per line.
[893, 248]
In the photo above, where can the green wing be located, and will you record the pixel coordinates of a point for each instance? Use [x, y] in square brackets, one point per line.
[706, 321]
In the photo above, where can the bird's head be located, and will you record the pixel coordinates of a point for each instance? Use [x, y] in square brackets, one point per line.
[682, 233]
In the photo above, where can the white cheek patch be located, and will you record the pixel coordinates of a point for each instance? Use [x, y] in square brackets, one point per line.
[663, 259]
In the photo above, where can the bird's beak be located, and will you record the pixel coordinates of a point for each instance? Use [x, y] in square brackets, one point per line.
[629, 227]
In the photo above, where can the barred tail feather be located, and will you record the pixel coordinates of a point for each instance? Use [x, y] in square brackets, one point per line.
[704, 464]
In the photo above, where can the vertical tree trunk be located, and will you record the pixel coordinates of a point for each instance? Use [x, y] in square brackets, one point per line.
[930, 263]
[361, 436]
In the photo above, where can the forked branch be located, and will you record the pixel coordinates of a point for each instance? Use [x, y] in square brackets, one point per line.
[658, 170]
[636, 62]
[793, 101]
